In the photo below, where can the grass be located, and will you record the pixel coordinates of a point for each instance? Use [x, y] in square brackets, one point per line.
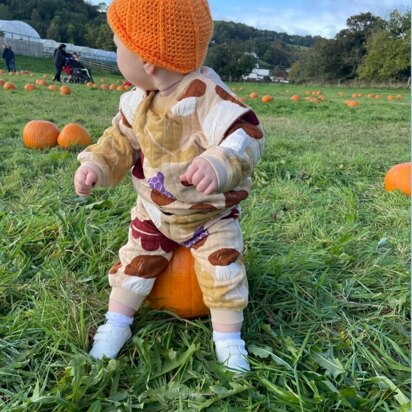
[327, 251]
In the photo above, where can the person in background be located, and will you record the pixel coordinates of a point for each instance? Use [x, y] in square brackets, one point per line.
[10, 59]
[59, 58]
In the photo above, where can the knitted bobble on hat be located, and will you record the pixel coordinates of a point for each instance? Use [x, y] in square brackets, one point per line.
[173, 34]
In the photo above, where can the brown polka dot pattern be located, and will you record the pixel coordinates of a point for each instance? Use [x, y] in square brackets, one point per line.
[125, 121]
[160, 199]
[115, 268]
[146, 266]
[186, 183]
[251, 130]
[223, 94]
[200, 243]
[223, 257]
[202, 206]
[196, 88]
[234, 197]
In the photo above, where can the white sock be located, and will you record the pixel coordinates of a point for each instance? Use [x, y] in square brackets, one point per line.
[219, 336]
[118, 319]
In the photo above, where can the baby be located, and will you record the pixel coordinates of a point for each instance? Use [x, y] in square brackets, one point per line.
[191, 147]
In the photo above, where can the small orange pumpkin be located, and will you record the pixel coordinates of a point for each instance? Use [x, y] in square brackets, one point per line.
[9, 85]
[295, 98]
[53, 88]
[398, 177]
[267, 99]
[73, 134]
[40, 134]
[253, 95]
[352, 103]
[177, 288]
[65, 90]
[104, 86]
[29, 87]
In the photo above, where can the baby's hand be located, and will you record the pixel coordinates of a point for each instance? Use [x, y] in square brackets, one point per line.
[201, 174]
[84, 180]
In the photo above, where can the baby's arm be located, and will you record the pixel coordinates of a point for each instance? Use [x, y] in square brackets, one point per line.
[222, 167]
[106, 162]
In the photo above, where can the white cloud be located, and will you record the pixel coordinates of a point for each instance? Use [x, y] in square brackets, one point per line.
[304, 17]
[314, 17]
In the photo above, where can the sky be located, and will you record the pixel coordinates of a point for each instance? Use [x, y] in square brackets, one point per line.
[303, 17]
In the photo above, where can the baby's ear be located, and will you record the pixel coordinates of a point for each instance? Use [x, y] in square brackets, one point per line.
[149, 68]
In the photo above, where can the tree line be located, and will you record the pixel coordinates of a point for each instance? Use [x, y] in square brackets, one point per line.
[369, 48]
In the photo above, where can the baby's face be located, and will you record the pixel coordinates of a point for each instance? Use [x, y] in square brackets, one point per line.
[132, 66]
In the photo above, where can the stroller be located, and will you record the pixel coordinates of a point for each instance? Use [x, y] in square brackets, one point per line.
[74, 72]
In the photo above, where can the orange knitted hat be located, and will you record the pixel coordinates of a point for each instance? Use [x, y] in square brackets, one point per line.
[173, 34]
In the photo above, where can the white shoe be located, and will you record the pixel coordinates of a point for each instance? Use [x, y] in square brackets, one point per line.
[232, 353]
[108, 340]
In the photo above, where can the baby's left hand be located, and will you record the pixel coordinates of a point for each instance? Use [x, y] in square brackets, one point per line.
[201, 174]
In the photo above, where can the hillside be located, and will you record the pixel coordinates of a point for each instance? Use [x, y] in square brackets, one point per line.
[80, 23]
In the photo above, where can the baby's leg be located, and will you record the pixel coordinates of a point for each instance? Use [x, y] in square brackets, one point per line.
[222, 278]
[145, 256]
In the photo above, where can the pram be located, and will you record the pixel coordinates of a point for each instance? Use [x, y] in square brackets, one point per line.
[75, 72]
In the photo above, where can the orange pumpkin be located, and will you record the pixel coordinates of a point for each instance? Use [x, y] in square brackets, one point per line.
[177, 288]
[9, 85]
[74, 134]
[104, 86]
[29, 87]
[253, 95]
[40, 134]
[295, 98]
[352, 103]
[53, 88]
[398, 177]
[65, 90]
[267, 99]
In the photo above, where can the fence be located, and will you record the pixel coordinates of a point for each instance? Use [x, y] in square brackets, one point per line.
[25, 45]
[88, 61]
[22, 44]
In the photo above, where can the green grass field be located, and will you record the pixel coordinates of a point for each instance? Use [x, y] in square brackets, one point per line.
[327, 251]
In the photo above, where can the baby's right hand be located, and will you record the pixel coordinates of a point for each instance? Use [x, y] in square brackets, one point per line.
[84, 180]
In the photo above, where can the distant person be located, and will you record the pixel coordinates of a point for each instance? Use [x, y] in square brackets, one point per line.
[10, 59]
[75, 63]
[59, 58]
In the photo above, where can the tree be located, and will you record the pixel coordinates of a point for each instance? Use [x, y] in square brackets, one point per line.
[5, 13]
[388, 51]
[229, 61]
